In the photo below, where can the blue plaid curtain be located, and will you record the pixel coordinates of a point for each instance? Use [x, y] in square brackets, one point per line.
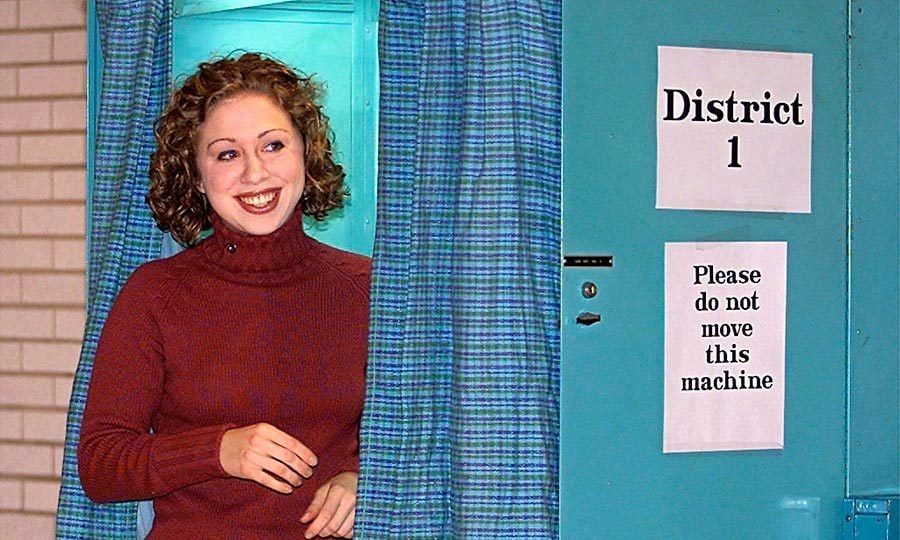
[135, 38]
[460, 432]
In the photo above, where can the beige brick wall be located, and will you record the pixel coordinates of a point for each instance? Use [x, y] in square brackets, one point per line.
[42, 250]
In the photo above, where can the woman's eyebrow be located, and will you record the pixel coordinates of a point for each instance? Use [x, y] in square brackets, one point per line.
[226, 139]
[231, 140]
[266, 132]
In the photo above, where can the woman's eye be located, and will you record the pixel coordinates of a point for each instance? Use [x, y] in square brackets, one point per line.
[274, 146]
[226, 155]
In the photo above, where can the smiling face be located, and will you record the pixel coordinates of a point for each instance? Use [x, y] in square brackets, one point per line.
[250, 159]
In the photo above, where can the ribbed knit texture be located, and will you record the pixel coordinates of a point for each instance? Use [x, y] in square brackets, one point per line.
[235, 331]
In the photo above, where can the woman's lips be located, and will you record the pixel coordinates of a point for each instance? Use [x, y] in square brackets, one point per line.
[259, 202]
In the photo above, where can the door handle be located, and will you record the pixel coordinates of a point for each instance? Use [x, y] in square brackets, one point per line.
[587, 318]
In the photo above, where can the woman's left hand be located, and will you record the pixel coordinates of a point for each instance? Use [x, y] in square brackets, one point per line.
[333, 508]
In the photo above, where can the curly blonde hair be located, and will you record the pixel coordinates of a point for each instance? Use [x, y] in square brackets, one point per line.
[175, 199]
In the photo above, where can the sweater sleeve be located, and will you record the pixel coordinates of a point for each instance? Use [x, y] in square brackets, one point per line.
[118, 458]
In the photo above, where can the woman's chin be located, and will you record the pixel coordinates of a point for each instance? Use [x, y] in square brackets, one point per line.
[258, 225]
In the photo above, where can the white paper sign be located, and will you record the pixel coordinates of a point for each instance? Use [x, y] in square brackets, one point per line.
[734, 130]
[724, 352]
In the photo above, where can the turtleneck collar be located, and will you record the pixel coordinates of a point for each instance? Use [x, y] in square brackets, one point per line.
[248, 257]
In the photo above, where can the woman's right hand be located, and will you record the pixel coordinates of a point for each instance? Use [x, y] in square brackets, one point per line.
[266, 455]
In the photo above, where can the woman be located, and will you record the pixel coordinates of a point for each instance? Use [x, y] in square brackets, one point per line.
[228, 382]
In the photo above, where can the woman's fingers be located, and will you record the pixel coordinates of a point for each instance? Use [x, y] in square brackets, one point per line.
[346, 528]
[316, 505]
[272, 467]
[328, 502]
[287, 458]
[328, 511]
[335, 510]
[290, 443]
[260, 476]
[259, 451]
[345, 506]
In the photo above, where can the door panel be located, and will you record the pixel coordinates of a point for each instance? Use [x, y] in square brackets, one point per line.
[615, 480]
[873, 459]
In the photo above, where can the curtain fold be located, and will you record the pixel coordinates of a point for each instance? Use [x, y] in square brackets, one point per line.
[135, 38]
[460, 431]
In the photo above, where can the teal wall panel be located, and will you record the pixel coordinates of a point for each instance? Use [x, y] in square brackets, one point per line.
[183, 8]
[874, 366]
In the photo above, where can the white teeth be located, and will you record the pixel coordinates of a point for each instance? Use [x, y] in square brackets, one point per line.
[259, 200]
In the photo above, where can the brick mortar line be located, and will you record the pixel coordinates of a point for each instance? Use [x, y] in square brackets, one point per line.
[27, 478]
[60, 28]
[21, 407]
[31, 202]
[49, 306]
[33, 408]
[55, 202]
[59, 442]
[25, 305]
[50, 168]
[48, 131]
[41, 30]
[50, 267]
[30, 513]
[26, 373]
[81, 167]
[36, 374]
[39, 99]
[61, 341]
[23, 167]
[44, 374]
[12, 201]
[49, 97]
[46, 63]
[41, 237]
[7, 271]
[40, 168]
[20, 443]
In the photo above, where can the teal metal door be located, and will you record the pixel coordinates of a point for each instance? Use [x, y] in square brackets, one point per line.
[616, 482]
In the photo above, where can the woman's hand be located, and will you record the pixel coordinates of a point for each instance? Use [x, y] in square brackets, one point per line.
[266, 455]
[333, 508]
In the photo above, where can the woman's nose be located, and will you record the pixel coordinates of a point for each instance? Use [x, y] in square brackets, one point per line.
[254, 170]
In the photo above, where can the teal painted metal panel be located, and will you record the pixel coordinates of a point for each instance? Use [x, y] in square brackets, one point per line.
[183, 8]
[338, 47]
[874, 368]
[615, 481]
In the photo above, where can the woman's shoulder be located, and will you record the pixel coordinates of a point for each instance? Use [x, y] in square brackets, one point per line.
[164, 269]
[351, 266]
[156, 279]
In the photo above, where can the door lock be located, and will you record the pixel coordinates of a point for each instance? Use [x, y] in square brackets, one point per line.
[587, 318]
[588, 289]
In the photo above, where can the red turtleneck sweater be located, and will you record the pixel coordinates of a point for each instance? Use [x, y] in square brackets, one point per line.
[237, 330]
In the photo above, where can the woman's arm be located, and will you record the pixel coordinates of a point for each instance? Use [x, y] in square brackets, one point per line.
[118, 458]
